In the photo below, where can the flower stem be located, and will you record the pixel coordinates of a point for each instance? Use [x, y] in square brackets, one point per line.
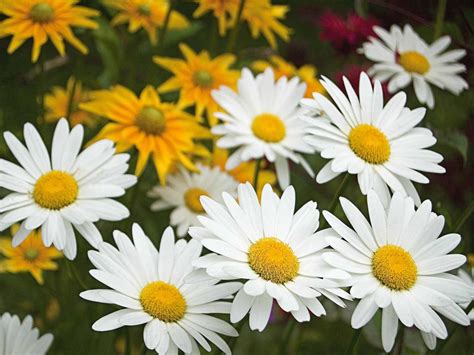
[73, 274]
[400, 341]
[467, 212]
[233, 340]
[235, 31]
[165, 23]
[287, 333]
[335, 198]
[440, 12]
[352, 346]
[257, 172]
[71, 100]
[452, 331]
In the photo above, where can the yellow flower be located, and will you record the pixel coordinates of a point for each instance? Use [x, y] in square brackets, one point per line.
[261, 16]
[281, 67]
[149, 14]
[245, 171]
[57, 104]
[196, 76]
[155, 128]
[43, 19]
[30, 256]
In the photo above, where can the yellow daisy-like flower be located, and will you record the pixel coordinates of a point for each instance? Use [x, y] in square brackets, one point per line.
[149, 14]
[43, 19]
[57, 104]
[196, 76]
[261, 16]
[155, 128]
[281, 67]
[30, 256]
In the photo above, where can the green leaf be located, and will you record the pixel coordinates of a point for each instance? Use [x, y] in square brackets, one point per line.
[111, 52]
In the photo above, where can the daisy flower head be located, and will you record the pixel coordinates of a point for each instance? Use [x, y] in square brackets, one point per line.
[43, 19]
[58, 104]
[306, 73]
[262, 120]
[277, 251]
[196, 76]
[379, 143]
[147, 14]
[183, 191]
[162, 290]
[20, 337]
[63, 190]
[399, 264]
[155, 128]
[402, 57]
[31, 256]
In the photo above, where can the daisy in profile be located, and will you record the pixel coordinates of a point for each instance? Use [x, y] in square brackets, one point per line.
[399, 264]
[277, 251]
[57, 104]
[378, 143]
[43, 19]
[31, 256]
[158, 129]
[65, 190]
[161, 290]
[402, 57]
[147, 14]
[183, 191]
[262, 120]
[196, 76]
[19, 337]
[307, 73]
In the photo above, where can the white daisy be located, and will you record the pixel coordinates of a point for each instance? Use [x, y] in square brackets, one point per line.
[380, 144]
[276, 250]
[19, 337]
[262, 121]
[65, 190]
[470, 282]
[183, 190]
[399, 264]
[161, 290]
[402, 57]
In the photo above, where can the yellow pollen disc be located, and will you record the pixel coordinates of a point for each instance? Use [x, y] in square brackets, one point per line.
[31, 254]
[414, 62]
[369, 144]
[192, 199]
[151, 120]
[41, 12]
[269, 128]
[394, 267]
[273, 260]
[202, 78]
[163, 301]
[55, 190]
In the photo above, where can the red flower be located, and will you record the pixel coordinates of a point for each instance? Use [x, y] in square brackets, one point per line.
[346, 34]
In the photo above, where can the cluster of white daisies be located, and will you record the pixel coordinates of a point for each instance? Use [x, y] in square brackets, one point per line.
[260, 249]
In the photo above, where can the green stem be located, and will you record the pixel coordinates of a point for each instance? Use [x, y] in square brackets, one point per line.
[467, 212]
[74, 275]
[233, 340]
[289, 329]
[400, 341]
[335, 198]
[360, 7]
[235, 31]
[128, 341]
[452, 331]
[440, 12]
[257, 172]
[71, 100]
[165, 24]
[352, 346]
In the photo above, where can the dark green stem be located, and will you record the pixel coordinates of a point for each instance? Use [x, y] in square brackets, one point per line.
[257, 173]
[74, 275]
[351, 350]
[288, 332]
[400, 341]
[335, 198]
[233, 340]
[235, 31]
[467, 212]
[71, 100]
[440, 12]
[166, 23]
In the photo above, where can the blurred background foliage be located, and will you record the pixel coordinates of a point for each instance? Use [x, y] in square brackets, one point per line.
[118, 57]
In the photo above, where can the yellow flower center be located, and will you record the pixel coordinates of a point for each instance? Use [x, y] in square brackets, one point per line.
[394, 267]
[268, 127]
[163, 301]
[414, 62]
[192, 199]
[151, 120]
[273, 260]
[202, 78]
[144, 10]
[55, 190]
[41, 12]
[369, 144]
[31, 254]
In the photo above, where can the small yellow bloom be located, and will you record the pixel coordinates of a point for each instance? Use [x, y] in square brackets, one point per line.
[149, 14]
[261, 16]
[57, 104]
[281, 67]
[245, 171]
[30, 256]
[196, 76]
[155, 128]
[43, 19]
